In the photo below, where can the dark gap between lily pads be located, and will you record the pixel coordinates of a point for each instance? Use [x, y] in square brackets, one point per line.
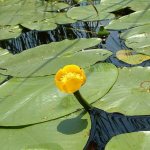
[106, 125]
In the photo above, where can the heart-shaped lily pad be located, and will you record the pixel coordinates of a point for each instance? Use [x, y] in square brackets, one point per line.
[32, 100]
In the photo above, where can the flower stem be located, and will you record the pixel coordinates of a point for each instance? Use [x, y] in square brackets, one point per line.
[82, 101]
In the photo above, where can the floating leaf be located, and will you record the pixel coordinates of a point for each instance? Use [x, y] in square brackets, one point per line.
[135, 19]
[135, 5]
[24, 12]
[138, 38]
[42, 25]
[2, 77]
[8, 32]
[47, 59]
[87, 13]
[145, 29]
[130, 57]
[55, 6]
[32, 100]
[62, 18]
[68, 133]
[130, 94]
[130, 141]
[140, 43]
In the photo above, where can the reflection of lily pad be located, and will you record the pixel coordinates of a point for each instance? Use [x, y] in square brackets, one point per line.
[135, 19]
[45, 59]
[129, 56]
[32, 100]
[130, 94]
[8, 32]
[47, 136]
[130, 141]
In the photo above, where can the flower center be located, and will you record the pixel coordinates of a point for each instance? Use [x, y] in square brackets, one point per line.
[69, 76]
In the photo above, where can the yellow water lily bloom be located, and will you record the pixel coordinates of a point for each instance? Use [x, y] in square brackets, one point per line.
[70, 78]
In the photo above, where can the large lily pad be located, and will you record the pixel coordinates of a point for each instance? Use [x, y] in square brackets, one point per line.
[130, 57]
[8, 32]
[32, 100]
[135, 19]
[68, 133]
[46, 60]
[130, 94]
[130, 141]
[88, 13]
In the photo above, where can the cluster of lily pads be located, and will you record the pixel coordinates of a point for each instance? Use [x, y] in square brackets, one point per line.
[34, 114]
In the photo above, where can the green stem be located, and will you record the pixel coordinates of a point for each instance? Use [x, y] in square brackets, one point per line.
[82, 101]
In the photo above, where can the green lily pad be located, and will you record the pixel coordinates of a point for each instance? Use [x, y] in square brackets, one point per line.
[8, 32]
[140, 43]
[87, 13]
[130, 57]
[62, 18]
[55, 6]
[68, 133]
[130, 94]
[135, 5]
[126, 22]
[130, 141]
[41, 26]
[145, 29]
[138, 38]
[47, 59]
[2, 77]
[24, 12]
[32, 100]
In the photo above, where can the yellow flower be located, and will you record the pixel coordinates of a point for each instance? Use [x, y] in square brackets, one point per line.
[70, 78]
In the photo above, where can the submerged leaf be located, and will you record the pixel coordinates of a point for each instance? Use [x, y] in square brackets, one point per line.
[130, 57]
